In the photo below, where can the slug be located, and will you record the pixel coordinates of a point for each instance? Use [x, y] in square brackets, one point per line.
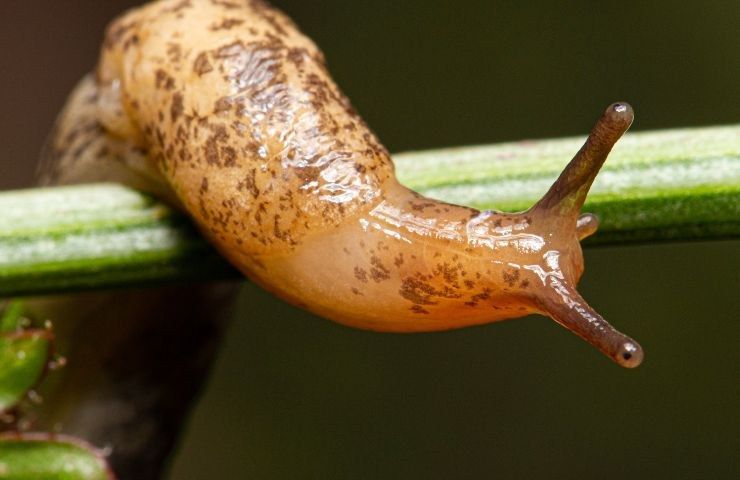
[226, 110]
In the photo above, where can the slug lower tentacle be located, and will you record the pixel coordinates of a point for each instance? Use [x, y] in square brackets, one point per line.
[238, 121]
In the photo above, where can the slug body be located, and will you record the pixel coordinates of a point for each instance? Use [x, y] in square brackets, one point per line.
[226, 109]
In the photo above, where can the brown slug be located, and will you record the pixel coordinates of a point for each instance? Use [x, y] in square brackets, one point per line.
[227, 110]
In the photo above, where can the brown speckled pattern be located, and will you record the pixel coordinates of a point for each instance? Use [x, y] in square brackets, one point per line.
[224, 107]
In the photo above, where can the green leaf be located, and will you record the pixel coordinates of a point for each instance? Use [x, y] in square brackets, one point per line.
[45, 457]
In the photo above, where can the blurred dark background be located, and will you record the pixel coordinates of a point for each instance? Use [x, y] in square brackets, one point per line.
[294, 396]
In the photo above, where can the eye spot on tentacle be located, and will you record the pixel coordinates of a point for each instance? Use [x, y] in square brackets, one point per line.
[630, 354]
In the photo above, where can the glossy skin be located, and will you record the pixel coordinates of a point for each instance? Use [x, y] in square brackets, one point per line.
[226, 109]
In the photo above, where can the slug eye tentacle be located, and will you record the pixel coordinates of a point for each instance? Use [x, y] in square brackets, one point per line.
[562, 203]
[567, 194]
[565, 305]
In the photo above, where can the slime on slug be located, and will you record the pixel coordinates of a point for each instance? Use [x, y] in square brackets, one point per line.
[225, 109]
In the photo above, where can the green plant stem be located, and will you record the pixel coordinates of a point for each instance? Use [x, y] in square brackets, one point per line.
[656, 186]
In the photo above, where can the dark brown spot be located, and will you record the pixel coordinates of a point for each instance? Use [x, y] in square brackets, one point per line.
[484, 295]
[511, 278]
[421, 293]
[297, 56]
[222, 105]
[228, 154]
[211, 148]
[378, 272]
[131, 41]
[174, 52]
[226, 24]
[163, 80]
[448, 272]
[177, 106]
[361, 274]
[201, 66]
[211, 152]
[249, 183]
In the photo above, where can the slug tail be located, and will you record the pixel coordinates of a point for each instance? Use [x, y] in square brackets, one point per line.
[565, 305]
[567, 194]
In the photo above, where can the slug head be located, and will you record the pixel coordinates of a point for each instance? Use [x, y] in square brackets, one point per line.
[557, 264]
